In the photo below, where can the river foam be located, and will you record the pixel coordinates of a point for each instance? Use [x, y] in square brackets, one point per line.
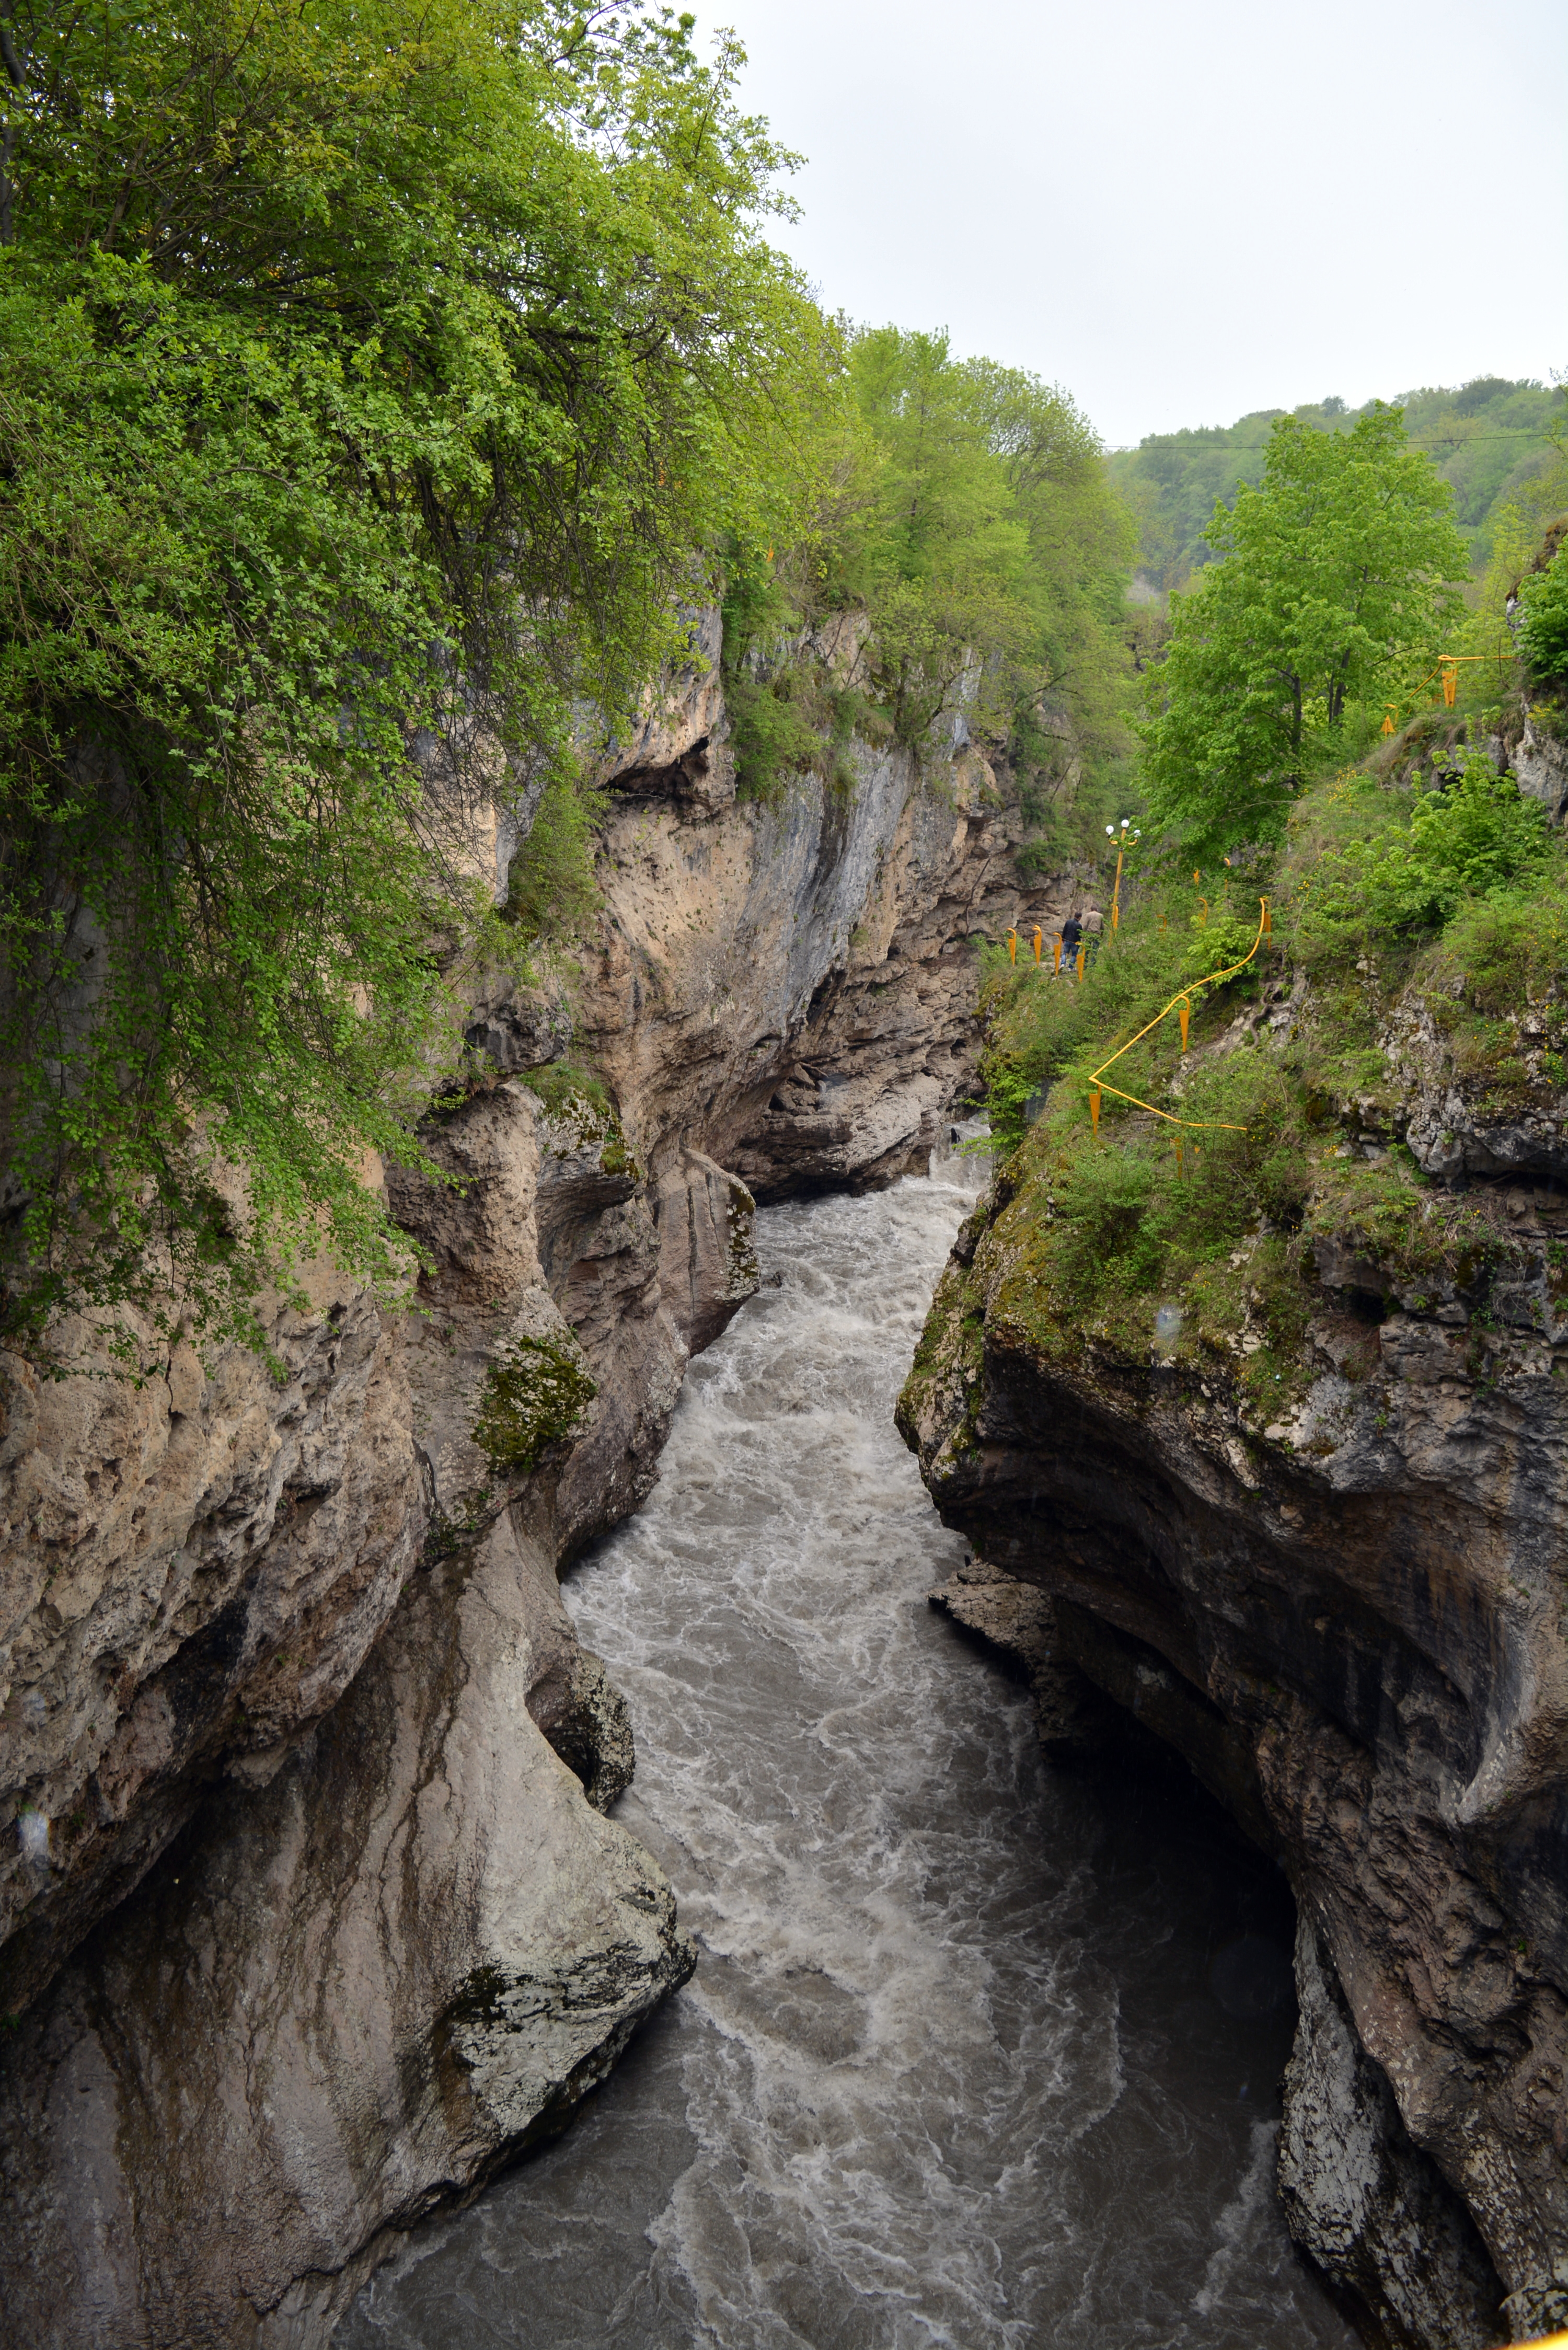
[976, 2053]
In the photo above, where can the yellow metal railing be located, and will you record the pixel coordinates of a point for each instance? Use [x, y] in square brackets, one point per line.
[1184, 1004]
[1447, 674]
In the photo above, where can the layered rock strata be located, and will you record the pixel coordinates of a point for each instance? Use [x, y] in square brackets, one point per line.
[312, 1914]
[1351, 1622]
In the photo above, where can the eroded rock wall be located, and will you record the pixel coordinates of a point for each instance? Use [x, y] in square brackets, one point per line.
[1350, 1617]
[314, 1917]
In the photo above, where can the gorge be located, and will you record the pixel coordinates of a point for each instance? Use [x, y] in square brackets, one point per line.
[197, 2146]
[977, 2045]
[729, 1615]
[386, 1938]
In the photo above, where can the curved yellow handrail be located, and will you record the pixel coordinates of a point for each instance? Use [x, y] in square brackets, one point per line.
[1447, 673]
[1214, 979]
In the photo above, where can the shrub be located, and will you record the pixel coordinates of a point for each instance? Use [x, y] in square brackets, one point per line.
[777, 733]
[551, 892]
[1508, 948]
[1219, 945]
[1412, 872]
[1543, 619]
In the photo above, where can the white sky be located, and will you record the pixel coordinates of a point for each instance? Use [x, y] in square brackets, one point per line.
[1183, 212]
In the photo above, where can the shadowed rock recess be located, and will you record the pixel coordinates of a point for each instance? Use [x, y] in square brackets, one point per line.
[311, 1916]
[1350, 1623]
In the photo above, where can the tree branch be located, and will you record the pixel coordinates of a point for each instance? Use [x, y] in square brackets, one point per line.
[8, 57]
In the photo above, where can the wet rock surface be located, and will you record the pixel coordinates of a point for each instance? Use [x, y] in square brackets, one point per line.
[404, 1961]
[1371, 2207]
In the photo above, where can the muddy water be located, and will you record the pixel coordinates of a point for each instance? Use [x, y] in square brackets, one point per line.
[980, 2052]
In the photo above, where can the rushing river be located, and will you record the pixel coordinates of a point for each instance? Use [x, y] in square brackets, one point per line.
[973, 2055]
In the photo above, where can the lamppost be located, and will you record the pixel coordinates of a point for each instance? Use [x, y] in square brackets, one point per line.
[1124, 840]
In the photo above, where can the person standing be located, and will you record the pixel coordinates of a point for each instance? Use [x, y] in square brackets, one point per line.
[1071, 933]
[1094, 922]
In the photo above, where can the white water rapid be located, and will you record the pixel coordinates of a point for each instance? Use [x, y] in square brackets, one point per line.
[973, 2057]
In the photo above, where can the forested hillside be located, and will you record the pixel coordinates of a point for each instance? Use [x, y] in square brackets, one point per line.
[1490, 441]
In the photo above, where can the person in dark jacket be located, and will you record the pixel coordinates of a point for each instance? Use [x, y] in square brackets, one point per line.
[1071, 933]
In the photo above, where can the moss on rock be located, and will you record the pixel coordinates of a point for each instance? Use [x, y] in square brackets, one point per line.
[534, 1400]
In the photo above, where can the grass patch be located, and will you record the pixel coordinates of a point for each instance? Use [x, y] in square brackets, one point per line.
[575, 1099]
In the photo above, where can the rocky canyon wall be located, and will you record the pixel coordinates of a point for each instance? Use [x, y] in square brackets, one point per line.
[311, 1914]
[1347, 1614]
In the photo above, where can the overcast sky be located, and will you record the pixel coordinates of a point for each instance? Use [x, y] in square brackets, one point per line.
[1181, 212]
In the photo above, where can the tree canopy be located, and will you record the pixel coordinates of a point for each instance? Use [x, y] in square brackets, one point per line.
[372, 379]
[1337, 578]
[990, 536]
[965, 511]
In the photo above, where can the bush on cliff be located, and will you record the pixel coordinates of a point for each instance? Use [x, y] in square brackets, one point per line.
[1418, 860]
[1543, 620]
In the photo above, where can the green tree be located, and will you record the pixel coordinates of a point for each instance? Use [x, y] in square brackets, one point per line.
[964, 509]
[1491, 441]
[1336, 583]
[984, 540]
[376, 380]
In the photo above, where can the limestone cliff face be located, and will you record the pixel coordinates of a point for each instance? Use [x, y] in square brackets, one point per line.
[1351, 1622]
[311, 1914]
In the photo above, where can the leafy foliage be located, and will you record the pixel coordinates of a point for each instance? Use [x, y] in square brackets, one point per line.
[1415, 867]
[551, 890]
[370, 381]
[1543, 619]
[989, 549]
[1337, 579]
[965, 573]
